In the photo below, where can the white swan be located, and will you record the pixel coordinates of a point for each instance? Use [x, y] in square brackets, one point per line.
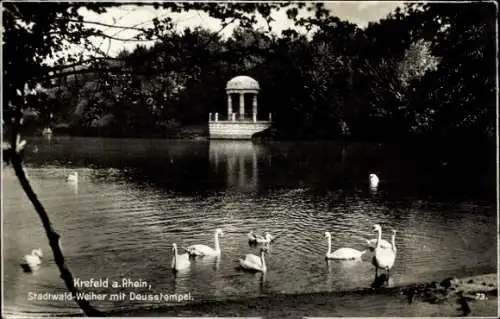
[204, 250]
[342, 253]
[384, 257]
[257, 239]
[47, 131]
[251, 236]
[253, 262]
[181, 261]
[32, 261]
[373, 180]
[372, 243]
[73, 177]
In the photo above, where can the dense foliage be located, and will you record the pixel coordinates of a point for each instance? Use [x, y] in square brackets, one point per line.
[426, 70]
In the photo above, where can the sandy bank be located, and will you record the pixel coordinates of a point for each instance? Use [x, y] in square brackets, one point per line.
[473, 296]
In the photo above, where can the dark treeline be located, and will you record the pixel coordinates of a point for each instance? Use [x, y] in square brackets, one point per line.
[425, 71]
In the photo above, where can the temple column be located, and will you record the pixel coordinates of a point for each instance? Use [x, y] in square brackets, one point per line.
[229, 106]
[254, 111]
[242, 106]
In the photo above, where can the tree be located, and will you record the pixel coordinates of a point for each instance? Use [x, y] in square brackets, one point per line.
[35, 32]
[417, 61]
[458, 98]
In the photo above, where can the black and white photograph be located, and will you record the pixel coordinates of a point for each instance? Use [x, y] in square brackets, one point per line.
[253, 159]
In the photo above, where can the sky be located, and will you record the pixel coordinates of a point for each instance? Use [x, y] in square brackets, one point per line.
[358, 12]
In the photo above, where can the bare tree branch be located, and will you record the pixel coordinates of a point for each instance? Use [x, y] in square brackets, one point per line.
[93, 59]
[213, 37]
[106, 25]
[85, 71]
[53, 236]
[120, 39]
[115, 70]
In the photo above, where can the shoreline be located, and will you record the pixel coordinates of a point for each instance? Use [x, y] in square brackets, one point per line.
[473, 296]
[199, 132]
[442, 299]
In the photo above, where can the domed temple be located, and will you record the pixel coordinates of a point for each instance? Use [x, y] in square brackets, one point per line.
[240, 124]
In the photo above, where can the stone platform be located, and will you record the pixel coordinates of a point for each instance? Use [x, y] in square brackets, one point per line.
[237, 130]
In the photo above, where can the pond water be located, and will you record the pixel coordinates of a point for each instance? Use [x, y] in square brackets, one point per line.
[135, 197]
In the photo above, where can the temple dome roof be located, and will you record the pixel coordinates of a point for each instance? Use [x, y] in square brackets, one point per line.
[242, 82]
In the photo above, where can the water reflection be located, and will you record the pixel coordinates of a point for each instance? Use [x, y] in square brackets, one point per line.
[346, 274]
[73, 186]
[382, 280]
[336, 265]
[136, 197]
[216, 263]
[206, 262]
[262, 283]
[182, 281]
[241, 160]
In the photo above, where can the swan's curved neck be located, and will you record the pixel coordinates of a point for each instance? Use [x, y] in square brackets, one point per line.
[175, 255]
[379, 237]
[329, 238]
[216, 240]
[394, 242]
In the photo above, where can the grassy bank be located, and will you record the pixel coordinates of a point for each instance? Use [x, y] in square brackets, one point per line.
[473, 296]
